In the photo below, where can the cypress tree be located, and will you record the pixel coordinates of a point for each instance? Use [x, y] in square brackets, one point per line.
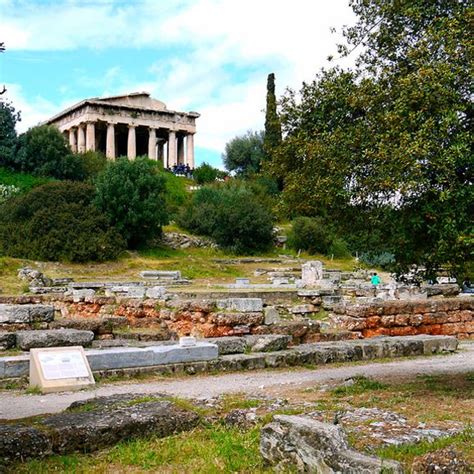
[272, 122]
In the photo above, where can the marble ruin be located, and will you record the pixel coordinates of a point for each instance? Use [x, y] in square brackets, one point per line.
[130, 125]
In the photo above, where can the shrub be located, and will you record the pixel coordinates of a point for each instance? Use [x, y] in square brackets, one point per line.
[93, 163]
[232, 215]
[339, 248]
[310, 234]
[205, 173]
[44, 151]
[132, 195]
[176, 194]
[57, 221]
[384, 260]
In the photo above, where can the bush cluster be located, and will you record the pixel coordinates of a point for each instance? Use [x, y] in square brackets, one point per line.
[57, 221]
[313, 235]
[232, 215]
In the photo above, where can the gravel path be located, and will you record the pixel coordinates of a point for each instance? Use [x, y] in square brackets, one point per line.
[15, 404]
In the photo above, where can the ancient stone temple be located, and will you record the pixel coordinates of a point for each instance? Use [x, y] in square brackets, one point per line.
[130, 125]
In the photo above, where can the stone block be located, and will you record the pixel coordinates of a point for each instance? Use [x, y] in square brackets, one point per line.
[312, 446]
[25, 313]
[156, 292]
[27, 340]
[268, 343]
[243, 305]
[304, 309]
[161, 274]
[271, 315]
[85, 294]
[312, 273]
[7, 340]
[229, 345]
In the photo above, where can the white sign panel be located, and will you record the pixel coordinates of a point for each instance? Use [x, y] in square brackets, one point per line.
[63, 365]
[57, 369]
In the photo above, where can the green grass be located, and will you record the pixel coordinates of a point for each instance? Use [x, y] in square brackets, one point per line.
[406, 453]
[361, 385]
[21, 180]
[211, 449]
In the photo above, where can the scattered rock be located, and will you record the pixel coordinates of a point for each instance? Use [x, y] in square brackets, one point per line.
[34, 277]
[271, 314]
[7, 340]
[444, 461]
[313, 446]
[243, 419]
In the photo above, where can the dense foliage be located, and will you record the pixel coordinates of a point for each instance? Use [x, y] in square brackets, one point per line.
[205, 173]
[244, 154]
[385, 150]
[57, 221]
[315, 236]
[8, 138]
[132, 195]
[232, 215]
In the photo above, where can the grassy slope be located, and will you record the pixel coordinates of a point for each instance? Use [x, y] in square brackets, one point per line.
[21, 180]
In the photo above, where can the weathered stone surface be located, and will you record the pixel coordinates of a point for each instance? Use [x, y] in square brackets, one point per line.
[98, 326]
[304, 309]
[243, 305]
[7, 340]
[161, 274]
[271, 315]
[313, 446]
[268, 343]
[27, 340]
[311, 273]
[25, 313]
[229, 345]
[85, 294]
[85, 431]
[156, 292]
[20, 442]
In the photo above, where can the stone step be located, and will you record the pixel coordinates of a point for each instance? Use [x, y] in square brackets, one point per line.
[204, 356]
[26, 340]
[25, 313]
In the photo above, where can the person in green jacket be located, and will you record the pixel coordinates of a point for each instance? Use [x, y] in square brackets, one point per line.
[375, 281]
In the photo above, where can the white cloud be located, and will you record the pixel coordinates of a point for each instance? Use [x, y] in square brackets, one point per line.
[229, 47]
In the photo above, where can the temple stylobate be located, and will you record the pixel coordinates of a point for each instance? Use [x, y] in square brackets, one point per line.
[130, 125]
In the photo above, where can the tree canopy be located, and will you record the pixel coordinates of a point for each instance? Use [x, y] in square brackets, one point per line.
[385, 149]
[244, 153]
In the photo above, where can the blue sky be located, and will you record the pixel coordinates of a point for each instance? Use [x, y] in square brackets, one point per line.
[211, 56]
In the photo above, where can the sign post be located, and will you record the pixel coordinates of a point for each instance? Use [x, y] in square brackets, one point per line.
[57, 369]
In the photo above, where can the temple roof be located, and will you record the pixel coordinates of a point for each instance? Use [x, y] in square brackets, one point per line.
[133, 101]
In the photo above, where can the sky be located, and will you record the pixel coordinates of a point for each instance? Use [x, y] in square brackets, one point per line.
[209, 56]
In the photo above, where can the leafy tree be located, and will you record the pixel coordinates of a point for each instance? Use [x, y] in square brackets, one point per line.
[232, 215]
[8, 137]
[387, 147]
[205, 173]
[272, 122]
[244, 154]
[43, 151]
[132, 195]
[57, 221]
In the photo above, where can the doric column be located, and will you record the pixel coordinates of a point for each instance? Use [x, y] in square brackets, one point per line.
[180, 149]
[110, 142]
[90, 136]
[190, 150]
[172, 149]
[161, 151]
[131, 143]
[152, 144]
[72, 140]
[81, 139]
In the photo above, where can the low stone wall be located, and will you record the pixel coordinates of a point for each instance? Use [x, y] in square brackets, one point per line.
[108, 317]
[448, 316]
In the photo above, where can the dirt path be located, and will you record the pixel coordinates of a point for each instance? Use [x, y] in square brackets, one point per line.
[15, 404]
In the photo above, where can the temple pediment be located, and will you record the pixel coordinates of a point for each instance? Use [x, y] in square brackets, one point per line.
[135, 99]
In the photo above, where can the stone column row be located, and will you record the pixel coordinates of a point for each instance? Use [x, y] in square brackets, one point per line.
[85, 140]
